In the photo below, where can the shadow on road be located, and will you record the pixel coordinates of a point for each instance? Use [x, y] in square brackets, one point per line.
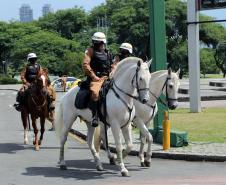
[10, 148]
[79, 170]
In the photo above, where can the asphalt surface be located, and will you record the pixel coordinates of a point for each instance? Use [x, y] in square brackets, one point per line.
[21, 165]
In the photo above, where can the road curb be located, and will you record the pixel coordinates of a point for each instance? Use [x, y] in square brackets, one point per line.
[165, 155]
[9, 90]
[203, 98]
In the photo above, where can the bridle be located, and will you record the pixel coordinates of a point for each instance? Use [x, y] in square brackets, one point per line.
[132, 83]
[39, 107]
[163, 102]
[114, 87]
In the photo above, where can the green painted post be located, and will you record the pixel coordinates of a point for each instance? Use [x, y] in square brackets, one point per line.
[158, 51]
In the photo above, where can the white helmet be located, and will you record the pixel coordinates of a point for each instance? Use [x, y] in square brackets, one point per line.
[31, 55]
[99, 36]
[127, 46]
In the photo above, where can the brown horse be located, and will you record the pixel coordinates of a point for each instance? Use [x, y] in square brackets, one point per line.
[35, 104]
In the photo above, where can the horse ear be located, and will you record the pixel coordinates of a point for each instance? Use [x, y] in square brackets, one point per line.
[149, 63]
[169, 71]
[139, 63]
[178, 72]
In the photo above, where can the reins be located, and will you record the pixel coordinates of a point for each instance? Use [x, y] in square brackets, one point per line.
[167, 96]
[130, 109]
[38, 106]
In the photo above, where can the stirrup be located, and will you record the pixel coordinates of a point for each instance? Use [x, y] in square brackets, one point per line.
[94, 122]
[18, 107]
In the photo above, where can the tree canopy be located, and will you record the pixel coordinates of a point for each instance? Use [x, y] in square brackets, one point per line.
[60, 38]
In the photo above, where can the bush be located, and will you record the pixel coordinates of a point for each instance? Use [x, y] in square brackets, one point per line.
[8, 80]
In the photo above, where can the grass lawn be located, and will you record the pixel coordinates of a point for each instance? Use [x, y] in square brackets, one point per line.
[207, 126]
[207, 76]
[212, 76]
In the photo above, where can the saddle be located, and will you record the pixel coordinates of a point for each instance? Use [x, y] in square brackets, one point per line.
[83, 100]
[83, 96]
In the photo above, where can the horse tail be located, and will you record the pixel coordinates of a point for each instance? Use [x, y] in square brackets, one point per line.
[59, 123]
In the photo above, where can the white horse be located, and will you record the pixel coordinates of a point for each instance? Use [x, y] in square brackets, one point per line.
[165, 82]
[130, 78]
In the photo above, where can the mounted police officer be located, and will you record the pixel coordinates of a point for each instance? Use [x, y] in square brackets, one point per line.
[30, 73]
[97, 66]
[32, 70]
[126, 50]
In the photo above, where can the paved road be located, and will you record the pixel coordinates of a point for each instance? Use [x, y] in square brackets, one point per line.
[21, 165]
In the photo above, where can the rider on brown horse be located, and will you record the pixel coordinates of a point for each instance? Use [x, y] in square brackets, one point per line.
[31, 72]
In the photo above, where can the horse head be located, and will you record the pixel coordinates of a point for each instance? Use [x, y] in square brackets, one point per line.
[135, 71]
[142, 81]
[171, 89]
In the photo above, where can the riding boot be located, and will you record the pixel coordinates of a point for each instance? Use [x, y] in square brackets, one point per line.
[94, 107]
[48, 102]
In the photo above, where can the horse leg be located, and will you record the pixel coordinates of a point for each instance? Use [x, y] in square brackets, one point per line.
[25, 117]
[126, 131]
[116, 133]
[145, 135]
[63, 138]
[111, 156]
[90, 142]
[35, 142]
[42, 121]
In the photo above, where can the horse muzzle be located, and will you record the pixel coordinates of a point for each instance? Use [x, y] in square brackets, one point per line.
[172, 106]
[145, 99]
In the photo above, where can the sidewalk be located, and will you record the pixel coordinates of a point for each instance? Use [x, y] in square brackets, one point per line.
[215, 152]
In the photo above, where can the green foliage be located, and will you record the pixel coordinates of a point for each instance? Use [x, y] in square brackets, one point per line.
[207, 62]
[64, 22]
[8, 80]
[220, 56]
[60, 39]
[53, 52]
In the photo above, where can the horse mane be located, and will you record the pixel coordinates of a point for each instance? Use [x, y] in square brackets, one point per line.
[123, 64]
[161, 73]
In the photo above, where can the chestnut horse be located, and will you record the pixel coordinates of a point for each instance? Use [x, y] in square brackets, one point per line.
[35, 104]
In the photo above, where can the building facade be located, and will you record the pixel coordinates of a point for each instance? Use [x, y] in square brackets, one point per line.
[46, 9]
[26, 13]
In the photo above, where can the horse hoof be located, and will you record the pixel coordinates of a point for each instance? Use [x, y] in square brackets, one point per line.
[125, 174]
[37, 148]
[142, 164]
[26, 142]
[99, 168]
[147, 163]
[39, 142]
[63, 167]
[112, 161]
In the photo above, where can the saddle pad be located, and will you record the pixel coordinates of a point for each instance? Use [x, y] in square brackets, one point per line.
[82, 99]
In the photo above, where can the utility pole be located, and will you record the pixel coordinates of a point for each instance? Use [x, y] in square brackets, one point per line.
[193, 57]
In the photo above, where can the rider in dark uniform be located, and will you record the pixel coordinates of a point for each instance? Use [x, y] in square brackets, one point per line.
[126, 50]
[32, 70]
[30, 73]
[97, 66]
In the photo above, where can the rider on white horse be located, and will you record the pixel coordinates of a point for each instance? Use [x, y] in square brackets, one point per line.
[97, 67]
[126, 50]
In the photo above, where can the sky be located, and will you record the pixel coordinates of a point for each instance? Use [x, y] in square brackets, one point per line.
[9, 9]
